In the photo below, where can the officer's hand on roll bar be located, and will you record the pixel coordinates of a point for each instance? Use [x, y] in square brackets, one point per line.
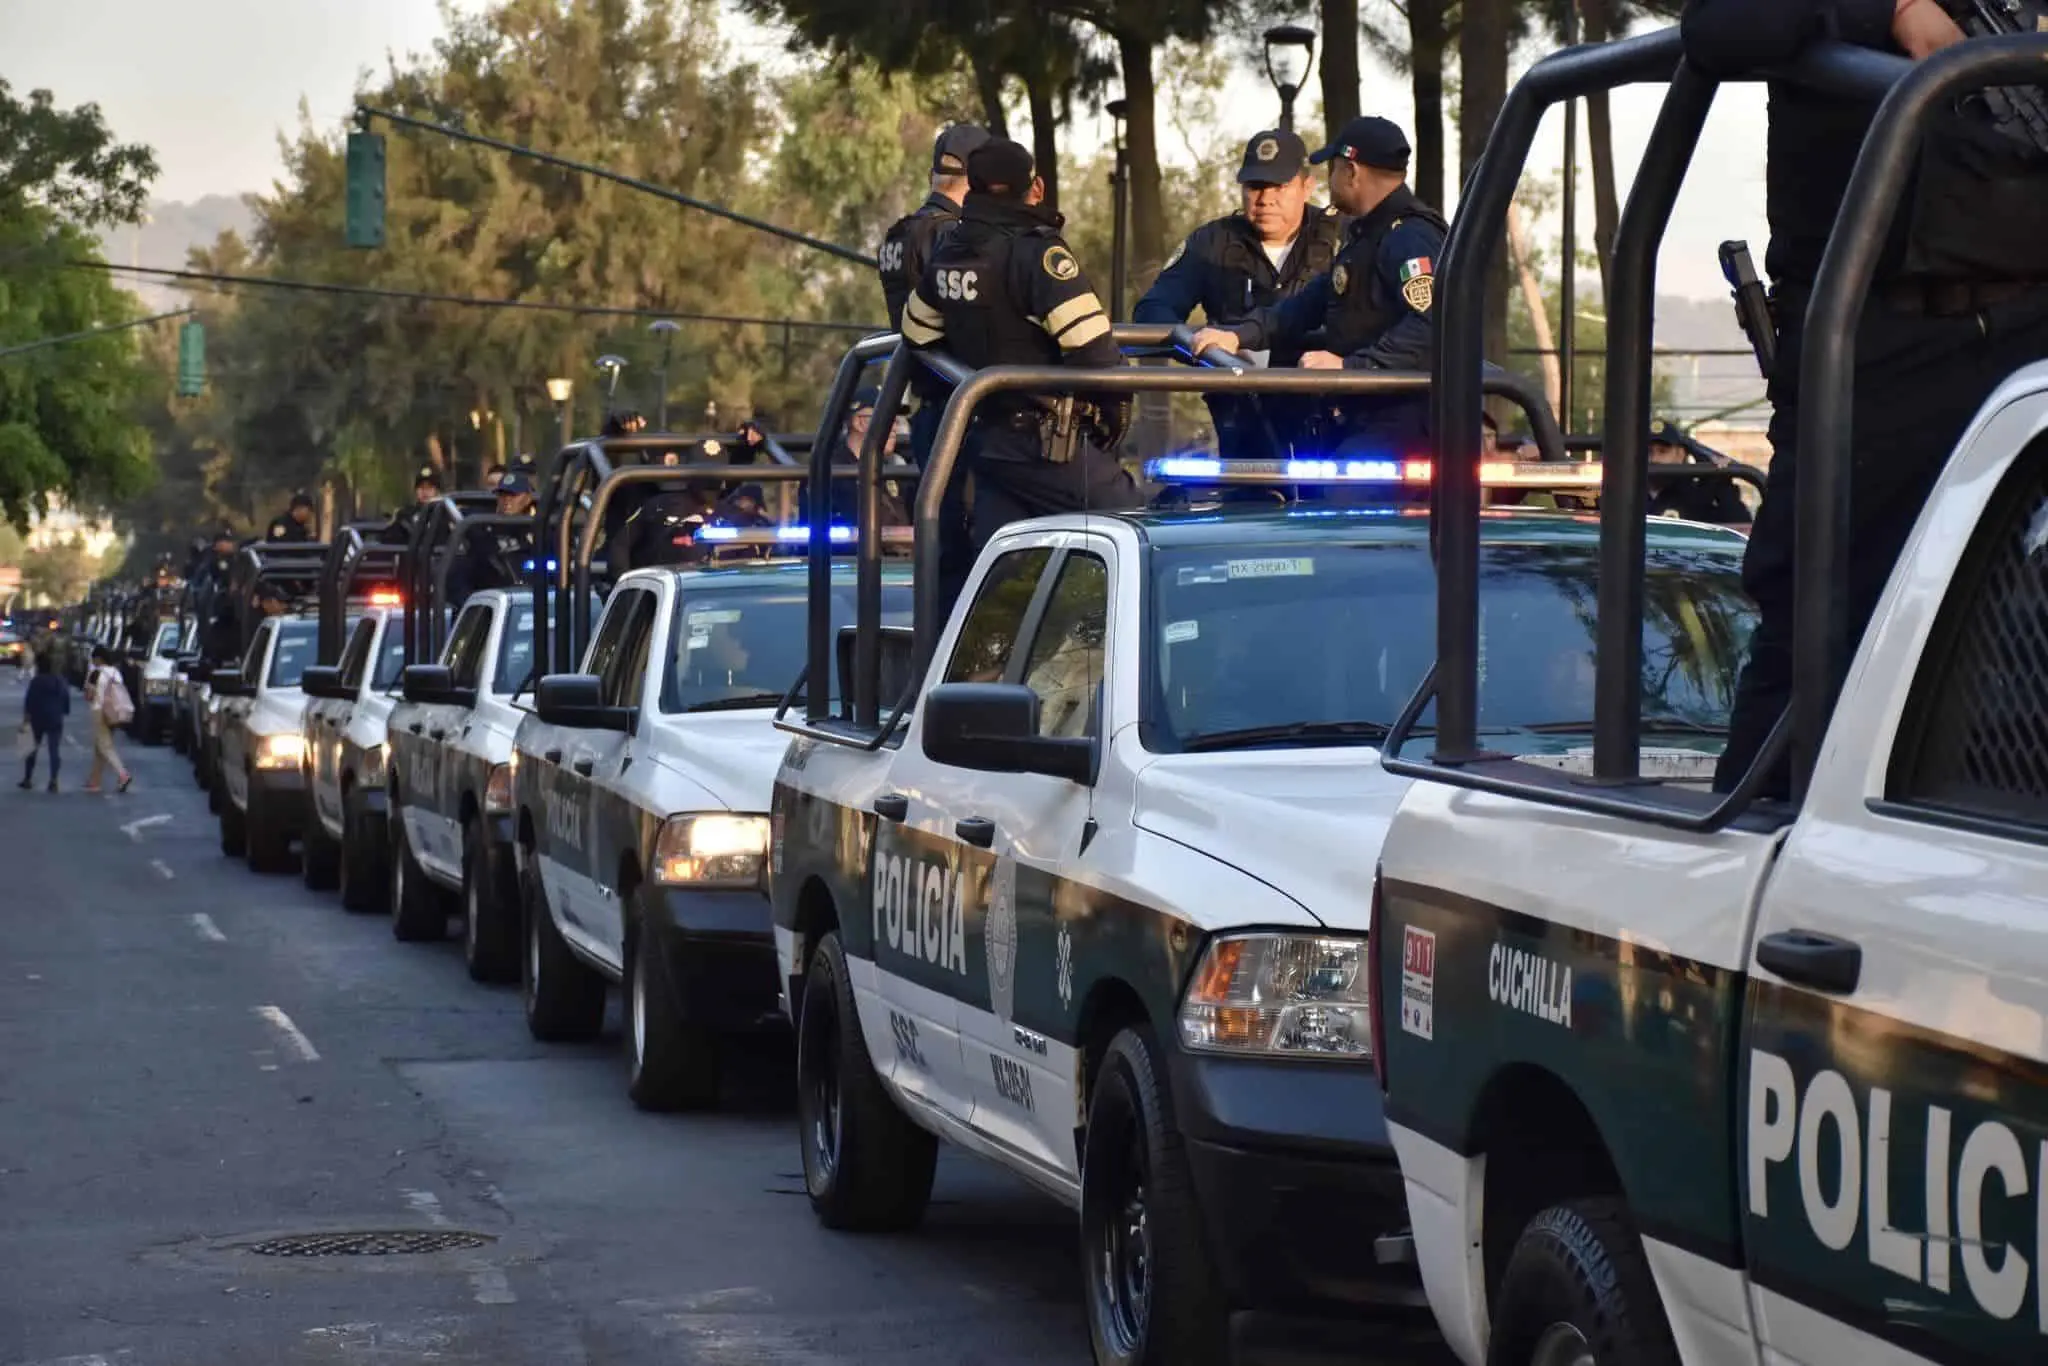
[1211, 346]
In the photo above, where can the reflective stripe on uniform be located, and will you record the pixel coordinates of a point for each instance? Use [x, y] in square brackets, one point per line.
[922, 324]
[1077, 322]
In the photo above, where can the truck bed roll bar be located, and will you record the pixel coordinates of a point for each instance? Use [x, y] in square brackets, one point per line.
[351, 556]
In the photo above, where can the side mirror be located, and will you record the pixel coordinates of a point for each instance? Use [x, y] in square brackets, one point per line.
[427, 683]
[324, 680]
[577, 701]
[993, 728]
[230, 683]
[199, 671]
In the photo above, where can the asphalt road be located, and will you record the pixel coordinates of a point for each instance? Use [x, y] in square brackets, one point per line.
[194, 1059]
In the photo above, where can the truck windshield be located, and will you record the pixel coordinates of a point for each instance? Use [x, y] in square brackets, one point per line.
[1325, 643]
[166, 640]
[390, 656]
[297, 644]
[740, 646]
[515, 649]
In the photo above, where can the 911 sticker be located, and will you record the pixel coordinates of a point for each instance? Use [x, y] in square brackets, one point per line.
[1418, 982]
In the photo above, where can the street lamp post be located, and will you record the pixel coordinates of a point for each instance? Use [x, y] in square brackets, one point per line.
[559, 393]
[666, 329]
[611, 367]
[1119, 189]
[1289, 48]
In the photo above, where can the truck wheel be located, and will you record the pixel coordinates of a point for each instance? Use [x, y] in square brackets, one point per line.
[320, 862]
[1578, 1292]
[671, 1062]
[181, 739]
[269, 845]
[564, 999]
[866, 1165]
[234, 835]
[209, 770]
[364, 882]
[418, 915]
[1152, 1295]
[490, 938]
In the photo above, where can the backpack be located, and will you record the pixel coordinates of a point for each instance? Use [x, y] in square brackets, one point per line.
[115, 703]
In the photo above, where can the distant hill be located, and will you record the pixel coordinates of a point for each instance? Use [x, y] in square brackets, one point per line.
[173, 229]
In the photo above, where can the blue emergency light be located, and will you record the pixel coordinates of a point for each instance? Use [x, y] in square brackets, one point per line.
[1203, 469]
[528, 566]
[837, 534]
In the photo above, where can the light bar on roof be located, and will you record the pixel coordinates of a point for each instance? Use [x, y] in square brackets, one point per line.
[838, 534]
[1198, 469]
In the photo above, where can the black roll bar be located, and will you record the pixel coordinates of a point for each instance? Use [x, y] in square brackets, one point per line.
[352, 555]
[433, 527]
[289, 564]
[838, 402]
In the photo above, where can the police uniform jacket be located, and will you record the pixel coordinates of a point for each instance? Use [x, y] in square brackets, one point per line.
[1373, 307]
[663, 530]
[1223, 268]
[289, 530]
[490, 558]
[907, 248]
[1004, 289]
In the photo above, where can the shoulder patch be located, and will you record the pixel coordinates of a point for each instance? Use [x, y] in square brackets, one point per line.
[1060, 263]
[1340, 278]
[1418, 283]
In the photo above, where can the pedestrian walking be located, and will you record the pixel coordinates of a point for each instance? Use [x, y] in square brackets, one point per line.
[111, 706]
[44, 708]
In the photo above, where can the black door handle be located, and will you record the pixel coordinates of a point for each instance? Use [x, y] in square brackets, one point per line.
[437, 735]
[553, 756]
[415, 728]
[584, 766]
[892, 806]
[1812, 959]
[976, 830]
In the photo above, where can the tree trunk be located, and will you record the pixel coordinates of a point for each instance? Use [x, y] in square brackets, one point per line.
[1483, 67]
[1426, 79]
[1339, 65]
[1045, 145]
[988, 83]
[1539, 311]
[1599, 22]
[1148, 209]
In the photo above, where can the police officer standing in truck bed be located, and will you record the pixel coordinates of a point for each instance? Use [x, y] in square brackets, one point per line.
[1004, 289]
[1958, 303]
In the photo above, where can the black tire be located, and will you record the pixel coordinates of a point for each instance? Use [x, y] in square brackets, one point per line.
[490, 938]
[209, 776]
[320, 859]
[234, 835]
[365, 881]
[419, 914]
[181, 738]
[148, 729]
[563, 997]
[671, 1061]
[1152, 1296]
[1578, 1278]
[269, 843]
[866, 1166]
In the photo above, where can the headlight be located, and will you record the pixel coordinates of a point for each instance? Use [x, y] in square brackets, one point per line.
[711, 851]
[280, 751]
[371, 772]
[156, 685]
[1290, 995]
[498, 790]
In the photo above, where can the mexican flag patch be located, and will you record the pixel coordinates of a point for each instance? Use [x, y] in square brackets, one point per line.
[1420, 265]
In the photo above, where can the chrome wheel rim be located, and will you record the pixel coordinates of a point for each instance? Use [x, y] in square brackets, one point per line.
[639, 1011]
[1561, 1344]
[1126, 1258]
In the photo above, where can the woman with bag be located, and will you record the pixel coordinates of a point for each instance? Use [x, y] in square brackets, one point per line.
[43, 713]
[111, 706]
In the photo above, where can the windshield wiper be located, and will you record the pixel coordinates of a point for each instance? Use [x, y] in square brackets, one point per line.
[1652, 725]
[1368, 732]
[752, 699]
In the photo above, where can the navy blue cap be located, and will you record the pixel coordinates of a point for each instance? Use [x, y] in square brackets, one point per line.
[426, 475]
[1000, 166]
[515, 482]
[1370, 141]
[1273, 157]
[954, 146]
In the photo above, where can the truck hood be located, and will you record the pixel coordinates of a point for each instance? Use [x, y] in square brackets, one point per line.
[733, 755]
[1308, 822]
[278, 711]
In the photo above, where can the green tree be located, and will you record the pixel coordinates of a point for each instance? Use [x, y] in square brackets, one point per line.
[66, 161]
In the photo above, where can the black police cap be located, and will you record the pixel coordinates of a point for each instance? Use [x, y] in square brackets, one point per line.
[954, 146]
[267, 590]
[226, 533]
[426, 475]
[302, 499]
[1370, 141]
[515, 482]
[1001, 167]
[1273, 157]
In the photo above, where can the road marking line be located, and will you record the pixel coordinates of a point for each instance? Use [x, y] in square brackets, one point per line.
[163, 869]
[203, 922]
[489, 1286]
[133, 829]
[295, 1043]
[425, 1205]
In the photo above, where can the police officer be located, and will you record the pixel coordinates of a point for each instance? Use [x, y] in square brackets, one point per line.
[220, 639]
[1372, 309]
[296, 526]
[1956, 305]
[1230, 267]
[491, 556]
[1004, 289]
[663, 529]
[1696, 500]
[269, 599]
[426, 487]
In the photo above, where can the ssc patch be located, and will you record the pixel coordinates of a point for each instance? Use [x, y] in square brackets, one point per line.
[1060, 264]
[1420, 292]
[1340, 279]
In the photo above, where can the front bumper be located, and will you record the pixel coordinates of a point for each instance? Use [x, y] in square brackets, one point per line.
[719, 947]
[1301, 1198]
[283, 795]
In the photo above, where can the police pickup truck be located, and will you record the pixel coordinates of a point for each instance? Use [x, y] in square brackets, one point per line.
[642, 788]
[1097, 911]
[1757, 1075]
[260, 747]
[448, 783]
[153, 718]
[348, 706]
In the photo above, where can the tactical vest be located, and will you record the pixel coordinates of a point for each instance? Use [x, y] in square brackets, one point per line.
[1244, 259]
[909, 241]
[970, 277]
[1361, 305]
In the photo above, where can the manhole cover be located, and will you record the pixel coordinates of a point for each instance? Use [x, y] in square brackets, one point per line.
[385, 1243]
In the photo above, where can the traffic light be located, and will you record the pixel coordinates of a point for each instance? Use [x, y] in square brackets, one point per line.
[191, 360]
[365, 192]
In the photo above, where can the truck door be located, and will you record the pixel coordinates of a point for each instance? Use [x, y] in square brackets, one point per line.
[616, 821]
[1895, 1069]
[326, 721]
[935, 868]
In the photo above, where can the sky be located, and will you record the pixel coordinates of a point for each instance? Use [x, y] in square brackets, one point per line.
[212, 83]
